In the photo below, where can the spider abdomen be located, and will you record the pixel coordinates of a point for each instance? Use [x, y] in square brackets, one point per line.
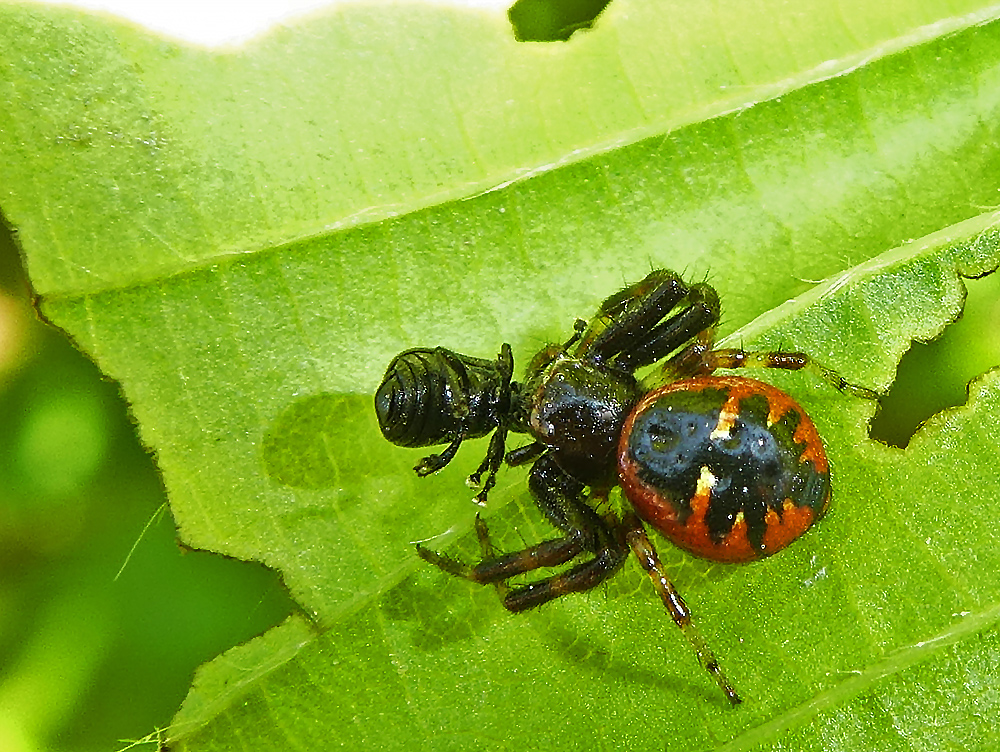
[726, 467]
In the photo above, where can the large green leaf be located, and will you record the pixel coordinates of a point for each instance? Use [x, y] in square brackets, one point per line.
[244, 239]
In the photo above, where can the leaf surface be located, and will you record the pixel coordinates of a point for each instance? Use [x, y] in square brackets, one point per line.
[245, 238]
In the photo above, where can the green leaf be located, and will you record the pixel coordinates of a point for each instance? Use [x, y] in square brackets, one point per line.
[245, 238]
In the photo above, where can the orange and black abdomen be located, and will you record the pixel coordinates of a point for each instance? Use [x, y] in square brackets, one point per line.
[726, 467]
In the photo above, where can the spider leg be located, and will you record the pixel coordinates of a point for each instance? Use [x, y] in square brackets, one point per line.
[560, 498]
[731, 358]
[636, 328]
[495, 568]
[645, 552]
[635, 309]
[560, 495]
[582, 577]
[700, 315]
[525, 454]
[489, 551]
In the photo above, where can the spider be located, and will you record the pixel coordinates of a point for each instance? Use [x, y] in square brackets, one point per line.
[727, 467]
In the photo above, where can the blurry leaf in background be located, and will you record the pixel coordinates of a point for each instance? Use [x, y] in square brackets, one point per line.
[87, 659]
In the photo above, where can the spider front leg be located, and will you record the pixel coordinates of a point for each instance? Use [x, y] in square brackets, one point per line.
[648, 321]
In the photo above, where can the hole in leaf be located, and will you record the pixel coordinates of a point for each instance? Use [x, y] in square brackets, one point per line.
[552, 20]
[933, 376]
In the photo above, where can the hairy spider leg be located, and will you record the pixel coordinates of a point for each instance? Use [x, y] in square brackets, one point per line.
[631, 311]
[700, 314]
[732, 358]
[635, 309]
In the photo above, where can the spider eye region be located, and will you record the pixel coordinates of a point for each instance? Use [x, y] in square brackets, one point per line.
[727, 468]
